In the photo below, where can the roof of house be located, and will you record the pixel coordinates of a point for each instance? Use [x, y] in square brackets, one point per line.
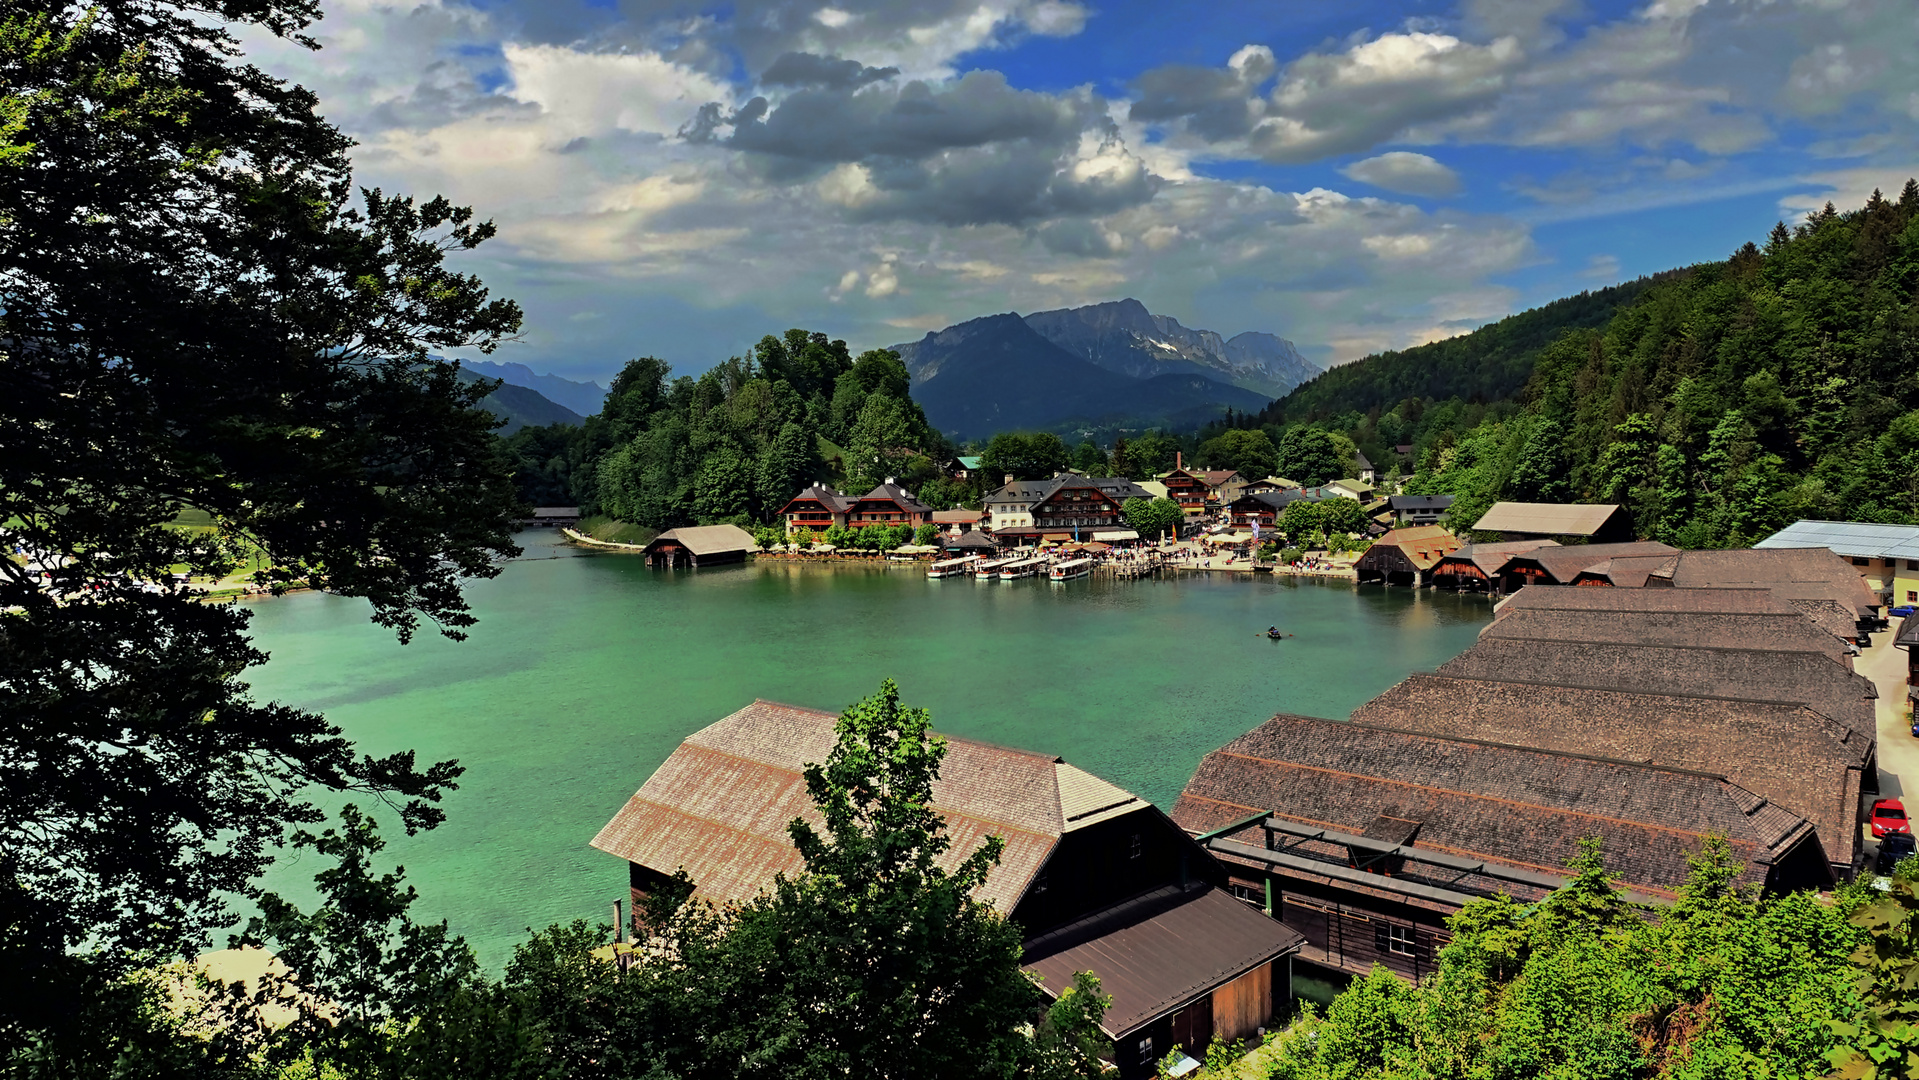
[719, 805]
[1361, 463]
[972, 539]
[1908, 634]
[1274, 499]
[1276, 482]
[1832, 617]
[1216, 477]
[1745, 674]
[707, 539]
[893, 493]
[1812, 763]
[1357, 487]
[1855, 539]
[957, 517]
[1490, 559]
[1419, 502]
[1792, 574]
[1626, 571]
[1158, 950]
[969, 461]
[1562, 564]
[1422, 545]
[1545, 519]
[1034, 492]
[1788, 631]
[836, 501]
[1524, 807]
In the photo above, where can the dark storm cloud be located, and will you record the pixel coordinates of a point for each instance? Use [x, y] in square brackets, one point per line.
[826, 72]
[1077, 236]
[836, 126]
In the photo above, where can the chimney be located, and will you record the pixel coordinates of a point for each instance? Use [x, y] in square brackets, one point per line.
[889, 479]
[1179, 459]
[1009, 478]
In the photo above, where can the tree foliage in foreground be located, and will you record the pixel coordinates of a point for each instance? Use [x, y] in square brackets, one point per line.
[198, 311]
[1584, 985]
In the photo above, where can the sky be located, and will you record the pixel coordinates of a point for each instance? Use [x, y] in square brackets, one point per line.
[679, 179]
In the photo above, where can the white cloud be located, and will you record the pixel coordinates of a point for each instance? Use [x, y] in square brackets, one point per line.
[1406, 173]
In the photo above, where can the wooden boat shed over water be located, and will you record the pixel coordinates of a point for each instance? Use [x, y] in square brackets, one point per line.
[1098, 879]
[700, 545]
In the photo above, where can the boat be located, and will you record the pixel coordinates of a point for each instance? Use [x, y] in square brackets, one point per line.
[952, 567]
[1070, 569]
[990, 568]
[1275, 634]
[1019, 568]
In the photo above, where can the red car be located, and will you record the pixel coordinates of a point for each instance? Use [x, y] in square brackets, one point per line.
[1889, 817]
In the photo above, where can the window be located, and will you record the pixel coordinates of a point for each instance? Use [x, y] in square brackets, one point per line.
[1862, 562]
[1039, 884]
[1399, 939]
[1146, 1048]
[1912, 597]
[1912, 564]
[1135, 848]
[1251, 894]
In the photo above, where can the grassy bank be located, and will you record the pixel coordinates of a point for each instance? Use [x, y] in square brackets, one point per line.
[613, 531]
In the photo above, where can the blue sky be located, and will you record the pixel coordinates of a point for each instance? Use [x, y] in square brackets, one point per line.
[677, 179]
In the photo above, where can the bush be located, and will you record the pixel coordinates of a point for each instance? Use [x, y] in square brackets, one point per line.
[1291, 554]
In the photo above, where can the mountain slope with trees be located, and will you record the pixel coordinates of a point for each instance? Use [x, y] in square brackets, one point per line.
[1718, 402]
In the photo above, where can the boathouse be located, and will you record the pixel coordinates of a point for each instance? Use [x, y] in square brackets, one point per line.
[1097, 878]
[1593, 523]
[1366, 838]
[700, 545]
[1406, 556]
[1477, 567]
[1558, 565]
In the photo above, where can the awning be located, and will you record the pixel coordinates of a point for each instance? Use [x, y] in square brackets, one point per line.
[1160, 951]
[1057, 538]
[1111, 536]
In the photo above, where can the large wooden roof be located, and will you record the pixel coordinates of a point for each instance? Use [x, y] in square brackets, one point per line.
[707, 539]
[720, 803]
[1546, 519]
[1791, 754]
[1787, 631]
[1562, 564]
[1524, 807]
[1809, 679]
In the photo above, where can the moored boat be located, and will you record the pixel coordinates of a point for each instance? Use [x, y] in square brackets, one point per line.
[1020, 568]
[952, 567]
[1070, 569]
[989, 569]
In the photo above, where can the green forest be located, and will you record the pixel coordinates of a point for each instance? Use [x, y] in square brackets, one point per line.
[1718, 403]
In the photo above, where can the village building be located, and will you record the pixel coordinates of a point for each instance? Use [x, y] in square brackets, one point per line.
[1362, 469]
[1263, 507]
[1096, 878]
[1597, 524]
[1479, 567]
[965, 467]
[973, 542]
[1886, 556]
[1068, 505]
[1270, 483]
[1198, 491]
[816, 508]
[888, 504]
[955, 522]
[1908, 639]
[1418, 509]
[1558, 565]
[1357, 490]
[552, 517]
[700, 545]
[1406, 556]
[1366, 838]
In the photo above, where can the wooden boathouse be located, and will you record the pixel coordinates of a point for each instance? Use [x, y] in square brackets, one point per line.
[1406, 556]
[1097, 878]
[700, 545]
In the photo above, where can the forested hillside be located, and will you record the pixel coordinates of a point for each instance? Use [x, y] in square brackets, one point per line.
[1720, 403]
[737, 442]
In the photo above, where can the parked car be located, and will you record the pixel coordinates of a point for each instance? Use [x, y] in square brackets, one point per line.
[1889, 818]
[1892, 849]
[1901, 611]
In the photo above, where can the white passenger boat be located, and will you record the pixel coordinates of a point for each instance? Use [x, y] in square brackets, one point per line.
[952, 567]
[1070, 569]
[1020, 568]
[989, 569]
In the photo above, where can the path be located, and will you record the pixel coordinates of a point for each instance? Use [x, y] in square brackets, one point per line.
[1898, 750]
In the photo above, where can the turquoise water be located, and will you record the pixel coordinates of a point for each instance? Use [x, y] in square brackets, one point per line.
[587, 669]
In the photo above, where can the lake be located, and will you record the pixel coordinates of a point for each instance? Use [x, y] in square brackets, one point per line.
[586, 669]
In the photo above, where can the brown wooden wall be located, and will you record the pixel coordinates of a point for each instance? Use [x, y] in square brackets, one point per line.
[1242, 1007]
[1093, 867]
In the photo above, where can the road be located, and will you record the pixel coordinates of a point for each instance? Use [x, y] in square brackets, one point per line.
[1898, 750]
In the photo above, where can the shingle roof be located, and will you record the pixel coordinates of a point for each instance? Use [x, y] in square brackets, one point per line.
[1489, 559]
[708, 539]
[1562, 564]
[1792, 574]
[893, 493]
[1557, 519]
[1033, 492]
[1789, 631]
[1851, 538]
[719, 805]
[1626, 572]
[1829, 616]
[1419, 502]
[1745, 674]
[1787, 752]
[1523, 807]
[1422, 545]
[1158, 950]
[833, 500]
[1908, 634]
[957, 517]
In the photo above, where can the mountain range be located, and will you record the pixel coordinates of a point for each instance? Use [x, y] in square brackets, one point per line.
[1105, 364]
[581, 398]
[520, 406]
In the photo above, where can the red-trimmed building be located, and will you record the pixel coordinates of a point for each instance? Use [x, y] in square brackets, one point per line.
[1068, 503]
[816, 507]
[888, 504]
